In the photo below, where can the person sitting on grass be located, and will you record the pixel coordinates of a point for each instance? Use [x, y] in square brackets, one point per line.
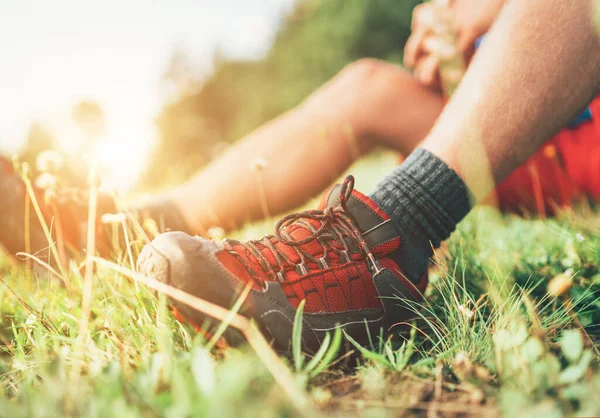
[358, 261]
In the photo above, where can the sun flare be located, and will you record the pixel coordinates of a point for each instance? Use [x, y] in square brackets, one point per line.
[120, 161]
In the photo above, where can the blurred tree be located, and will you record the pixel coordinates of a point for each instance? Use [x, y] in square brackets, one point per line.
[180, 77]
[316, 41]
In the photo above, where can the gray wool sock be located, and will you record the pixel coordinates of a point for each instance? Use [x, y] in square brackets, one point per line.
[426, 199]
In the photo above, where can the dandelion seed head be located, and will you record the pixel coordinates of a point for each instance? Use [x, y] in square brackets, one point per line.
[467, 313]
[46, 181]
[49, 162]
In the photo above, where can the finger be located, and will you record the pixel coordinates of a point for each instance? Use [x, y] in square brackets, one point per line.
[442, 48]
[427, 71]
[422, 24]
[423, 16]
[413, 48]
[415, 16]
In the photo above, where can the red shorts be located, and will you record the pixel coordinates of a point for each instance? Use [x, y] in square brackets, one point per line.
[565, 168]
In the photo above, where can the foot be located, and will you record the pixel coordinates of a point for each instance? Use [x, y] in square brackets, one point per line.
[340, 259]
[65, 215]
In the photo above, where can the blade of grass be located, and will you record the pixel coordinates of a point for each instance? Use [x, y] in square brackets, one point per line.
[127, 243]
[27, 236]
[319, 354]
[331, 354]
[378, 358]
[297, 337]
[47, 266]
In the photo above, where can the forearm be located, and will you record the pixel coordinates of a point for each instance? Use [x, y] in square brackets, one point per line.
[539, 65]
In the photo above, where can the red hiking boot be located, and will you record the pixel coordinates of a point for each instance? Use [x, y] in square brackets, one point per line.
[65, 215]
[340, 259]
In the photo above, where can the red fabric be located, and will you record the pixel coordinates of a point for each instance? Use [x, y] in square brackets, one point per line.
[235, 268]
[386, 247]
[339, 289]
[566, 167]
[581, 153]
[328, 290]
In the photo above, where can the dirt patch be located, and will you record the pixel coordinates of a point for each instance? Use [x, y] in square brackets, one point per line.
[410, 396]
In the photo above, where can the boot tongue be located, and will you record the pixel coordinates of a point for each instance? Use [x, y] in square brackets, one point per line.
[375, 225]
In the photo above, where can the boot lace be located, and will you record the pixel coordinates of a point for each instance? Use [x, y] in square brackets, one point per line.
[337, 233]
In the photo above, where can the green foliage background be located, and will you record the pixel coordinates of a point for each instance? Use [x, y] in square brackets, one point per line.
[314, 43]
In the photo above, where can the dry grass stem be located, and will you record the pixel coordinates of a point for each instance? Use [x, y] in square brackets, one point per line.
[39, 214]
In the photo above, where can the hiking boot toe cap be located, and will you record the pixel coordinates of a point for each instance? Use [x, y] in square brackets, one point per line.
[168, 258]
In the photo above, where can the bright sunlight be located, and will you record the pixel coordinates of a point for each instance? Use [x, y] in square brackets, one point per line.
[114, 54]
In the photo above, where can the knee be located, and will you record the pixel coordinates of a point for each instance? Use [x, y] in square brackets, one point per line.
[350, 83]
[350, 88]
[361, 90]
[361, 71]
[359, 77]
[369, 83]
[369, 74]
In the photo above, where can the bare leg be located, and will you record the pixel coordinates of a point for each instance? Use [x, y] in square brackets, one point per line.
[525, 84]
[369, 103]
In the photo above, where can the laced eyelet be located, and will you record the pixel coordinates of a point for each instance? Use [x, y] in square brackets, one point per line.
[372, 264]
[323, 263]
[280, 276]
[347, 258]
[301, 269]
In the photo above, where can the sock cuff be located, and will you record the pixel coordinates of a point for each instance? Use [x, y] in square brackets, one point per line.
[440, 182]
[165, 213]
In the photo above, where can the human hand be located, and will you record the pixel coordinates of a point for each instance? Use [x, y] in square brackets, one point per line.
[464, 20]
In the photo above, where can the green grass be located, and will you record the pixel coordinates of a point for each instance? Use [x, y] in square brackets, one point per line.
[488, 341]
